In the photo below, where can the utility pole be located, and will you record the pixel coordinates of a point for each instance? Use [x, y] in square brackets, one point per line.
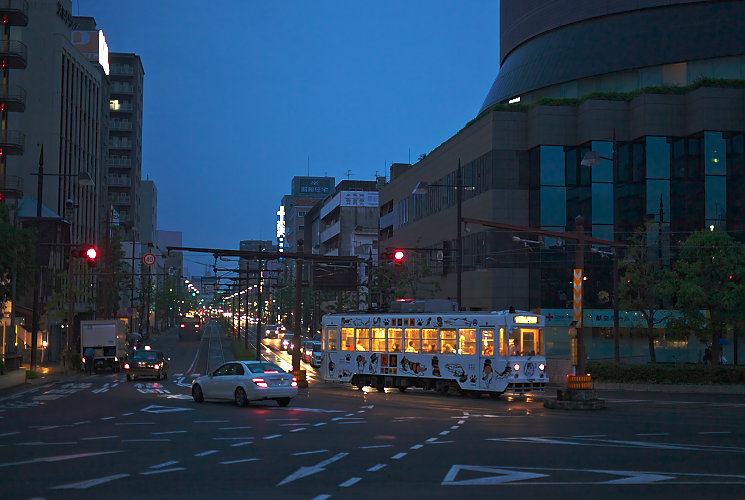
[297, 315]
[260, 310]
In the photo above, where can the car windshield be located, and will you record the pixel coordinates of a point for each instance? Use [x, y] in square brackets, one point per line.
[316, 346]
[146, 356]
[265, 368]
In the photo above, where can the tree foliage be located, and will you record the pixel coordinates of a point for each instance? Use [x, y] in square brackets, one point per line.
[709, 286]
[16, 253]
[642, 284]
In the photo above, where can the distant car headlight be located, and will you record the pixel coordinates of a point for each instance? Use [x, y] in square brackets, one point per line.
[516, 367]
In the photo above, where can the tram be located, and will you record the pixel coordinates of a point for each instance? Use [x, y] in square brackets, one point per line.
[500, 352]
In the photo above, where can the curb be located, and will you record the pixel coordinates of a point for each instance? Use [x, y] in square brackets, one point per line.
[690, 388]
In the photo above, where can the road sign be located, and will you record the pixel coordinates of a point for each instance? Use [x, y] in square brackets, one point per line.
[148, 259]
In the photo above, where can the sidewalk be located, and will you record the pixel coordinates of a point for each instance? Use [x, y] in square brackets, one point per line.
[50, 372]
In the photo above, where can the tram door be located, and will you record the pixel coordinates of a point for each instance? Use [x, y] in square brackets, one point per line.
[488, 347]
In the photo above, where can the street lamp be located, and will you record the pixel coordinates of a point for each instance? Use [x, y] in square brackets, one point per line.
[592, 159]
[84, 179]
[422, 188]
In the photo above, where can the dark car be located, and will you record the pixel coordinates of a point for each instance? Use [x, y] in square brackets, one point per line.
[146, 363]
[190, 328]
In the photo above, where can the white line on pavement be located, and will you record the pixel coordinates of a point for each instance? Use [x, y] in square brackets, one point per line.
[309, 452]
[376, 468]
[210, 421]
[98, 437]
[205, 453]
[135, 423]
[299, 429]
[144, 440]
[232, 428]
[90, 482]
[349, 482]
[240, 461]
[416, 447]
[398, 456]
[273, 436]
[161, 471]
[244, 443]
[376, 446]
[164, 464]
[167, 432]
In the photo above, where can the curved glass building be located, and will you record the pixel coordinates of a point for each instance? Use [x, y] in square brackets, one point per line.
[655, 89]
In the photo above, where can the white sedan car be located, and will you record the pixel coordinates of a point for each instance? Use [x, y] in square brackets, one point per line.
[245, 381]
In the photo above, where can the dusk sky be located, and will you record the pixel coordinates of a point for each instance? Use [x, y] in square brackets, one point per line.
[242, 95]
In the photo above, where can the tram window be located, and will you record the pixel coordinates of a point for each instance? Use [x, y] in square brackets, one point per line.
[378, 339]
[529, 342]
[503, 347]
[514, 347]
[413, 339]
[447, 341]
[395, 339]
[363, 339]
[347, 335]
[332, 342]
[487, 342]
[467, 341]
[430, 340]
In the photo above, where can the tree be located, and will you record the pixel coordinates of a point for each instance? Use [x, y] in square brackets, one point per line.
[708, 286]
[16, 254]
[642, 285]
[114, 275]
[389, 282]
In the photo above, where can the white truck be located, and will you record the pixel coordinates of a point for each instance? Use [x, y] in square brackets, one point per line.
[108, 338]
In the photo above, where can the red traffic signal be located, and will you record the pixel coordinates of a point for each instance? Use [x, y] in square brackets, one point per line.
[398, 257]
[90, 254]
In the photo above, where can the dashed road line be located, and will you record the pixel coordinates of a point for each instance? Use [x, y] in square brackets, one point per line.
[90, 482]
[167, 432]
[145, 440]
[161, 471]
[205, 453]
[309, 452]
[164, 464]
[416, 446]
[244, 443]
[98, 437]
[232, 438]
[399, 456]
[273, 436]
[349, 482]
[228, 462]
[210, 421]
[299, 429]
[377, 467]
[376, 446]
[233, 428]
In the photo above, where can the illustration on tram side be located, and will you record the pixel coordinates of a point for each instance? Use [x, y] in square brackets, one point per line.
[497, 352]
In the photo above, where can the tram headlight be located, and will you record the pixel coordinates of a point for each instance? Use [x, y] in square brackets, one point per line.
[516, 367]
[541, 366]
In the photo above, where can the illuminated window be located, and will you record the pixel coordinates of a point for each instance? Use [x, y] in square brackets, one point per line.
[487, 342]
[378, 339]
[413, 339]
[448, 340]
[363, 339]
[467, 341]
[395, 339]
[347, 335]
[332, 339]
[502, 343]
[114, 105]
[530, 345]
[430, 340]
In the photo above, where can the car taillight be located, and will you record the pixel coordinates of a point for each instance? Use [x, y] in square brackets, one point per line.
[156, 366]
[196, 326]
[260, 382]
[294, 381]
[183, 325]
[273, 371]
[126, 366]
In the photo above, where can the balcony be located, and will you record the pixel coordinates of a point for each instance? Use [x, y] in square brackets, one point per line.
[120, 200]
[119, 181]
[12, 142]
[120, 125]
[119, 162]
[121, 89]
[14, 12]
[121, 69]
[12, 99]
[120, 145]
[13, 54]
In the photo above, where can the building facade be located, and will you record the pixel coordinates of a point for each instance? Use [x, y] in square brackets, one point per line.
[663, 113]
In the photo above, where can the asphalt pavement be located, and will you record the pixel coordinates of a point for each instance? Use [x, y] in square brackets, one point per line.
[100, 435]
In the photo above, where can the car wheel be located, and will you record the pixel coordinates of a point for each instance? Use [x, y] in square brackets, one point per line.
[196, 393]
[283, 401]
[129, 377]
[240, 397]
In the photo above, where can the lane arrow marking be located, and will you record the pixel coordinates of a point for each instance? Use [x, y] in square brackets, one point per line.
[308, 471]
[499, 476]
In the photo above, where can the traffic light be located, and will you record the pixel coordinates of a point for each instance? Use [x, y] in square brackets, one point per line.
[90, 254]
[398, 257]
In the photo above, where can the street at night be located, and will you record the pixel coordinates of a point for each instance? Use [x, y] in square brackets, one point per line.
[101, 435]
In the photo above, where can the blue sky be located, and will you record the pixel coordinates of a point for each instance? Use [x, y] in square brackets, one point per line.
[242, 95]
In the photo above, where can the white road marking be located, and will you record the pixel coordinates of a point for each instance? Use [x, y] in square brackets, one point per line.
[369, 406]
[232, 428]
[461, 422]
[98, 437]
[127, 414]
[135, 423]
[716, 432]
[244, 443]
[399, 456]
[321, 497]
[336, 419]
[9, 434]
[60, 458]
[376, 468]
[205, 453]
[355, 422]
[161, 471]
[294, 425]
[90, 482]
[42, 443]
[82, 422]
[416, 447]
[145, 440]
[164, 464]
[240, 461]
[444, 433]
[232, 438]
[307, 471]
[299, 429]
[453, 427]
[106, 418]
[273, 436]
[281, 419]
[210, 421]
[167, 432]
[319, 424]
[376, 446]
[654, 434]
[349, 482]
[164, 409]
[309, 452]
[592, 436]
[430, 440]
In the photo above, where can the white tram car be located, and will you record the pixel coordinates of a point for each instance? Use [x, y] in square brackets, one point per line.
[473, 352]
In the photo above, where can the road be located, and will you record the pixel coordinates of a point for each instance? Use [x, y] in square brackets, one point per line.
[103, 436]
